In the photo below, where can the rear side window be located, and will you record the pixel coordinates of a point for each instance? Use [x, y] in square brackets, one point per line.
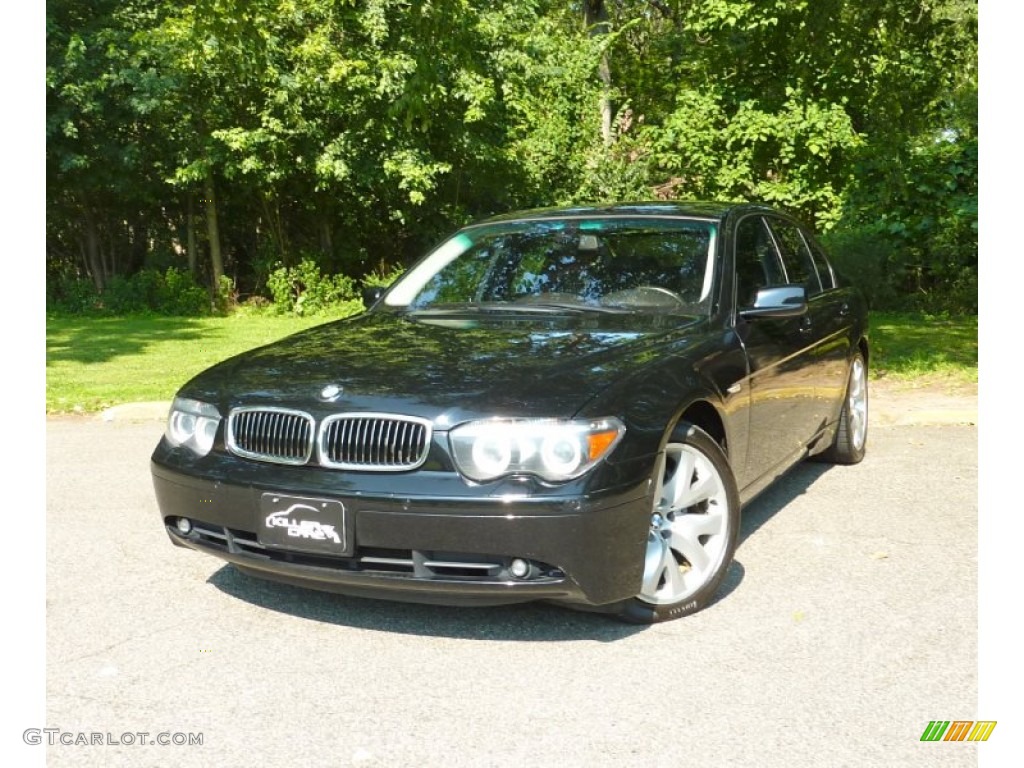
[821, 262]
[757, 261]
[796, 256]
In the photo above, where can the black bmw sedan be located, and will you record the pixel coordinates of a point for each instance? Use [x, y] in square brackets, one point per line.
[564, 404]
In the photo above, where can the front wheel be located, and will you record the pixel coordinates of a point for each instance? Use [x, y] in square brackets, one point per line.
[695, 523]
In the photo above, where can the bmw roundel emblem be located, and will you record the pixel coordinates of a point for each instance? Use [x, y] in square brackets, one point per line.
[330, 392]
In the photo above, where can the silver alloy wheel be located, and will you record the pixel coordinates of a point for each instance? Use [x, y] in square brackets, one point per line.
[857, 403]
[689, 527]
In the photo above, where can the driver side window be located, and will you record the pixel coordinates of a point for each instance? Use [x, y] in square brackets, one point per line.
[757, 260]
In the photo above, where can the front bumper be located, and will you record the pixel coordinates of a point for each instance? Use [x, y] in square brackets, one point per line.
[433, 549]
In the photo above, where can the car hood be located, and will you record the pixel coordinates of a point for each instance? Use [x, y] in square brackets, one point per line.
[458, 365]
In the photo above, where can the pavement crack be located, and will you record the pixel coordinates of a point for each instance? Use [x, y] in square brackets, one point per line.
[112, 646]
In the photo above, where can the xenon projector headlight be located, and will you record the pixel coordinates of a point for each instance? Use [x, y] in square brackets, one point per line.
[553, 449]
[192, 424]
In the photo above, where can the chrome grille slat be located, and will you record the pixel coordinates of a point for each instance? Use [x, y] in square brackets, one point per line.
[396, 442]
[277, 435]
[379, 442]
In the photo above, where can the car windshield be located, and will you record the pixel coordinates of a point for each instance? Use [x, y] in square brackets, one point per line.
[612, 264]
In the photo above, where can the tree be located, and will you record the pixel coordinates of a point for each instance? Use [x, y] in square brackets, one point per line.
[356, 134]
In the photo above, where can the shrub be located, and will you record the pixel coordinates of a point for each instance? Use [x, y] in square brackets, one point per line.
[69, 294]
[226, 297]
[171, 292]
[180, 294]
[863, 256]
[304, 290]
[127, 295]
[382, 277]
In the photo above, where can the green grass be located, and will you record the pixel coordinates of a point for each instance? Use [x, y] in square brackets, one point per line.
[93, 363]
[907, 347]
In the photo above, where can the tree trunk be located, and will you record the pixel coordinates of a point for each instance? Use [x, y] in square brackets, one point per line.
[109, 255]
[213, 231]
[139, 245]
[92, 251]
[606, 100]
[190, 228]
[595, 17]
[272, 213]
[326, 239]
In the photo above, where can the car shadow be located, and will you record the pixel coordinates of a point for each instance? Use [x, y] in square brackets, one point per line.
[528, 622]
[779, 495]
[532, 622]
[731, 582]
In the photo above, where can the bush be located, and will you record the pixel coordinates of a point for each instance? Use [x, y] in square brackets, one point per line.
[72, 295]
[919, 208]
[226, 297]
[304, 290]
[382, 277]
[130, 295]
[172, 292]
[180, 294]
[905, 271]
[863, 257]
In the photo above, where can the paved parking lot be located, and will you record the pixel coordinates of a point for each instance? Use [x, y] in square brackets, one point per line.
[848, 622]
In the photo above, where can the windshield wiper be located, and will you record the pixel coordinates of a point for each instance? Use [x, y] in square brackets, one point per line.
[518, 308]
[494, 307]
[558, 306]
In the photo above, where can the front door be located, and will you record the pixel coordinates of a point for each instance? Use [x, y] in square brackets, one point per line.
[782, 354]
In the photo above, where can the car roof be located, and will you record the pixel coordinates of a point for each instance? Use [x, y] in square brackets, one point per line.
[705, 210]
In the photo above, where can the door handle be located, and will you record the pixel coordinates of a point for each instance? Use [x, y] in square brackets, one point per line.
[844, 309]
[806, 325]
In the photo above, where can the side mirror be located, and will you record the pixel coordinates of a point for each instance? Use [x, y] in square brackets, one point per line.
[777, 301]
[371, 294]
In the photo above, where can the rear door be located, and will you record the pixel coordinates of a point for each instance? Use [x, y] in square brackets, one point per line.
[826, 325]
[835, 309]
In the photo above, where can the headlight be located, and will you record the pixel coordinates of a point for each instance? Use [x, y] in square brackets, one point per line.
[555, 450]
[192, 424]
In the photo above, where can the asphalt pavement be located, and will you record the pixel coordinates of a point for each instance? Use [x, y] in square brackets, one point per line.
[847, 622]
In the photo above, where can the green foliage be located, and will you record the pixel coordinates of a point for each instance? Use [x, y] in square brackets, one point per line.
[382, 277]
[785, 156]
[862, 255]
[356, 133]
[304, 290]
[171, 292]
[69, 294]
[225, 298]
[174, 292]
[924, 240]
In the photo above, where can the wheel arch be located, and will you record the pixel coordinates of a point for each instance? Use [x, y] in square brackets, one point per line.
[703, 414]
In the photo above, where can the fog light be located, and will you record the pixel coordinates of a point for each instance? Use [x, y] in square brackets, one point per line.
[184, 525]
[519, 568]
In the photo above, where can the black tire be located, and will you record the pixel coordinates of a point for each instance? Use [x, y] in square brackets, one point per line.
[700, 514]
[851, 439]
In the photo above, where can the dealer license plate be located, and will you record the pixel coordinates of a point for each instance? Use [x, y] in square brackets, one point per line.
[302, 524]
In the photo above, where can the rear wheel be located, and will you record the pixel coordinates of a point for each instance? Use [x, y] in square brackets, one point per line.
[694, 527]
[850, 442]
